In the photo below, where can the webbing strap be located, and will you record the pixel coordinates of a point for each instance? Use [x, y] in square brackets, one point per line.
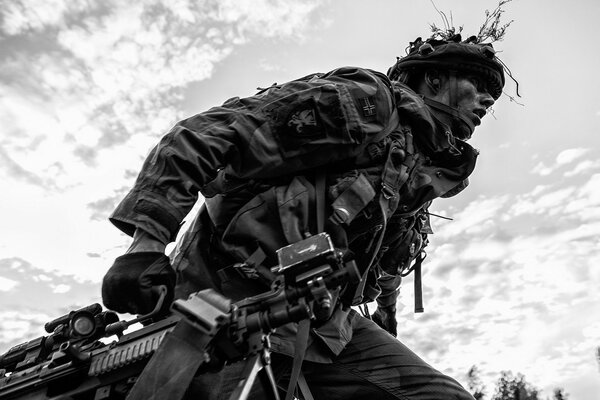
[353, 200]
[171, 369]
[301, 345]
[395, 174]
[306, 394]
[358, 294]
[395, 171]
[252, 268]
[304, 325]
[453, 112]
[391, 125]
[320, 189]
[418, 283]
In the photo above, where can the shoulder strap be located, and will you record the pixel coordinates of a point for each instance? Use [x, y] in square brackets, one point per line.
[320, 197]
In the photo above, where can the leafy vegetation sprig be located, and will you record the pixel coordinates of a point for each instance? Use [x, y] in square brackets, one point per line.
[492, 29]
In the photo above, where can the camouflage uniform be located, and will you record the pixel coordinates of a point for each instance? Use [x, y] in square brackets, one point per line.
[385, 157]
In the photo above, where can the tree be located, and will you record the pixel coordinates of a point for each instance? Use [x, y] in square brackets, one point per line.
[559, 394]
[511, 387]
[476, 387]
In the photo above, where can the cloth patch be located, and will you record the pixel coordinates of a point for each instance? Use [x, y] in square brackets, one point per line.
[303, 122]
[368, 106]
[301, 125]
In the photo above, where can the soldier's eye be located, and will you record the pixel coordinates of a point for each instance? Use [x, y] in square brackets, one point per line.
[478, 83]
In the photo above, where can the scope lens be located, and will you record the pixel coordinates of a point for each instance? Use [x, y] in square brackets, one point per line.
[83, 325]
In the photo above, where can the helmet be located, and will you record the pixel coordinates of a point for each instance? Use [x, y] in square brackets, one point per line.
[453, 55]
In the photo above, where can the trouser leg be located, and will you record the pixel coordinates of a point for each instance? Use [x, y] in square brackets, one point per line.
[375, 363]
[373, 366]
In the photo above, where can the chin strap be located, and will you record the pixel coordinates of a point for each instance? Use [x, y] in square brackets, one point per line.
[454, 114]
[462, 126]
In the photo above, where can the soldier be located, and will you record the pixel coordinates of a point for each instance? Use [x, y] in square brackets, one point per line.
[353, 152]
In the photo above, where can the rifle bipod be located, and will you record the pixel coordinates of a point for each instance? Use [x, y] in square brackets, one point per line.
[257, 365]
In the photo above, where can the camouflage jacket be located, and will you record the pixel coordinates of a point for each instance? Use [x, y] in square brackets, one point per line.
[255, 160]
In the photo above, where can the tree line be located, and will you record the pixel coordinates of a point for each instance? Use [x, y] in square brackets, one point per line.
[508, 387]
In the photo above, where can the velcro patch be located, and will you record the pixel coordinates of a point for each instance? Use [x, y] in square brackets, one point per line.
[368, 106]
[303, 121]
[302, 124]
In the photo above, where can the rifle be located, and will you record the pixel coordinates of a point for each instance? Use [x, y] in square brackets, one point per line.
[75, 362]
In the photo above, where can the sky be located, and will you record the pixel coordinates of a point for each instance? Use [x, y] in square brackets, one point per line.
[510, 283]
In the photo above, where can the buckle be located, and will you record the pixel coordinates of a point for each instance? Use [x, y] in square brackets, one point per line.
[387, 191]
[340, 215]
[246, 270]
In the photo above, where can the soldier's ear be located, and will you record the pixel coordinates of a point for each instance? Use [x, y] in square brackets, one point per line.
[433, 80]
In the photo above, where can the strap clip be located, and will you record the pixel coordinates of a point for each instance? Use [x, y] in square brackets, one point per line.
[387, 191]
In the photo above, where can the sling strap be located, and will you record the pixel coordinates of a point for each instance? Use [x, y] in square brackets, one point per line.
[171, 369]
[302, 335]
[300, 351]
[304, 387]
[320, 197]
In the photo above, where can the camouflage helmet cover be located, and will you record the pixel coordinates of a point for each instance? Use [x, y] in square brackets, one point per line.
[453, 54]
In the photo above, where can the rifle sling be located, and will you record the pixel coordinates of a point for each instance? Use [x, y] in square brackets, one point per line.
[296, 376]
[301, 345]
[171, 369]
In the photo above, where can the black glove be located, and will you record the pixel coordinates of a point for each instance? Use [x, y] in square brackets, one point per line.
[131, 284]
[385, 317]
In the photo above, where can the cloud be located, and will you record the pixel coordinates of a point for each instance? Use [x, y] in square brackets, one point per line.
[583, 167]
[114, 71]
[570, 155]
[7, 284]
[86, 88]
[85, 91]
[542, 170]
[103, 207]
[15, 170]
[36, 296]
[18, 17]
[24, 326]
[562, 159]
[60, 288]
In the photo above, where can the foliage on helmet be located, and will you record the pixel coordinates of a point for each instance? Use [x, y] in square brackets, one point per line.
[445, 50]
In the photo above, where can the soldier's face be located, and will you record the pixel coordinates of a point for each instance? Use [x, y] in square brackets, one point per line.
[472, 97]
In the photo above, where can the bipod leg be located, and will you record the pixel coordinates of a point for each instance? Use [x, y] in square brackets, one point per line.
[267, 379]
[255, 365]
[249, 373]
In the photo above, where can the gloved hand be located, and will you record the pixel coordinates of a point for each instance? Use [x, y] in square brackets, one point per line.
[385, 317]
[131, 284]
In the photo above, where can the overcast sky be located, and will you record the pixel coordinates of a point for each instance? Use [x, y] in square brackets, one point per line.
[511, 283]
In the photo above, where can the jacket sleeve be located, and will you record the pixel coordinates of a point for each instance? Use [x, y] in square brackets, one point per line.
[390, 289]
[285, 129]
